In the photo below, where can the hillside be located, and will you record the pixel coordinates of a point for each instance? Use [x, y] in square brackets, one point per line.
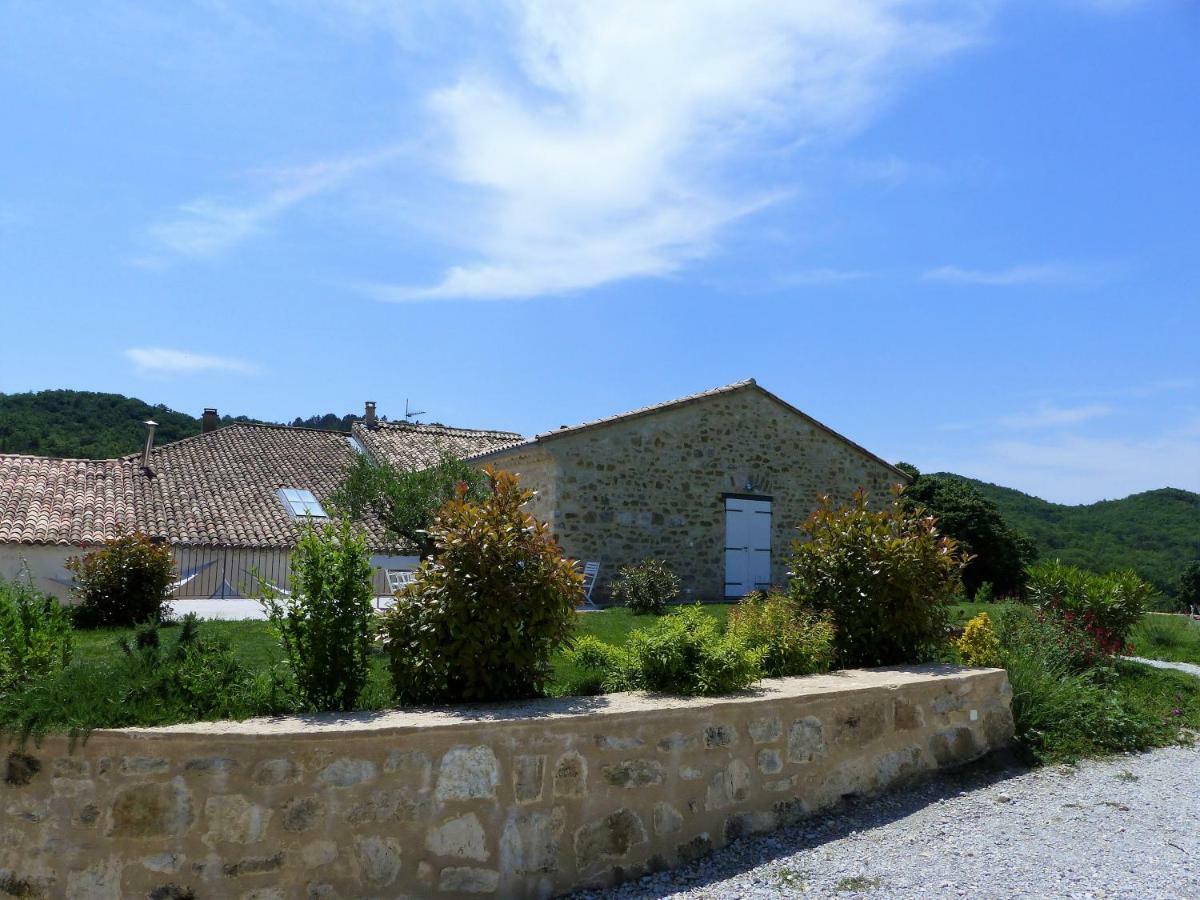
[90, 425]
[1156, 533]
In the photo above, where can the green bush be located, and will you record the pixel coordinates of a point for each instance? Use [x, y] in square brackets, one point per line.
[790, 641]
[684, 652]
[1111, 603]
[126, 582]
[160, 677]
[325, 626]
[886, 575]
[646, 587]
[35, 634]
[489, 609]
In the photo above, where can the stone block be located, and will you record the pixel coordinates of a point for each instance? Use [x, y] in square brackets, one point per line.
[143, 765]
[378, 859]
[467, 880]
[766, 730]
[151, 811]
[860, 725]
[570, 775]
[302, 813]
[609, 839]
[952, 746]
[907, 715]
[468, 773]
[634, 773]
[530, 843]
[806, 740]
[667, 819]
[717, 736]
[234, 819]
[414, 767]
[318, 854]
[770, 762]
[461, 837]
[271, 772]
[347, 772]
[529, 774]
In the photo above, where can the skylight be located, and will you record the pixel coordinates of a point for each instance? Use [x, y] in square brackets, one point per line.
[300, 503]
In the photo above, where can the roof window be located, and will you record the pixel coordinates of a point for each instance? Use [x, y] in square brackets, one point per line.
[299, 503]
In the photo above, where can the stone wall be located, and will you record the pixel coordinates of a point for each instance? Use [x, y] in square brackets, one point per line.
[515, 801]
[655, 485]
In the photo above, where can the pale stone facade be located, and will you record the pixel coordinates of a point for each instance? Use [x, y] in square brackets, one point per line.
[514, 801]
[653, 484]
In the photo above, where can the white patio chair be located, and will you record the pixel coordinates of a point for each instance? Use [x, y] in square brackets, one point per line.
[591, 571]
[396, 579]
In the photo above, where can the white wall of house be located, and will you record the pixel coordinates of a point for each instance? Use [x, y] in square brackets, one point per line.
[46, 565]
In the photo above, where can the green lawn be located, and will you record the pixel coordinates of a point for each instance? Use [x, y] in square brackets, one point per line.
[1174, 638]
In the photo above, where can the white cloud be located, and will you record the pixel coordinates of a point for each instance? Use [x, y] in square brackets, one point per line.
[1061, 274]
[205, 227]
[614, 147]
[164, 361]
[1050, 416]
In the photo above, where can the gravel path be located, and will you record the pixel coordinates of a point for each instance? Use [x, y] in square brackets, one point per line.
[1190, 668]
[1126, 826]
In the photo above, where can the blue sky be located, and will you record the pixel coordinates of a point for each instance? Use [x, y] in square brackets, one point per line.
[963, 233]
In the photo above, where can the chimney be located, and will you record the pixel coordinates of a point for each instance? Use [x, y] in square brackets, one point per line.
[150, 426]
[369, 414]
[209, 421]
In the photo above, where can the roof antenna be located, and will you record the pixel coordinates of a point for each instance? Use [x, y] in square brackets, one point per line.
[410, 415]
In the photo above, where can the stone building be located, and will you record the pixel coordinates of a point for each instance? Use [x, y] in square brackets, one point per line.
[714, 483]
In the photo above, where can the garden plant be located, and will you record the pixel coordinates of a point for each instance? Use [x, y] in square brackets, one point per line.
[646, 587]
[125, 582]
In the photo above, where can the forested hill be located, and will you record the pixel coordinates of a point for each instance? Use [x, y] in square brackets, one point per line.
[1156, 533]
[88, 425]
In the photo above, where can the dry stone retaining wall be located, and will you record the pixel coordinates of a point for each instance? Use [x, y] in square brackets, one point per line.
[515, 801]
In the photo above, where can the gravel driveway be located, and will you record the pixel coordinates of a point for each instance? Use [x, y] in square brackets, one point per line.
[1127, 826]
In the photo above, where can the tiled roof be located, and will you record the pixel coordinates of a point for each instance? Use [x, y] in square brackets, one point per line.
[410, 446]
[748, 384]
[63, 501]
[221, 488]
[218, 488]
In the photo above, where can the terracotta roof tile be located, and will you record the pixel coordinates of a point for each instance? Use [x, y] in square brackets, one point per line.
[409, 446]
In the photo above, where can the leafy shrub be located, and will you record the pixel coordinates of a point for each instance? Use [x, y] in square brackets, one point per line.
[684, 652]
[161, 676]
[790, 641]
[35, 634]
[646, 587]
[886, 575]
[1109, 604]
[325, 626]
[406, 501]
[979, 645]
[490, 607]
[123, 583]
[1188, 586]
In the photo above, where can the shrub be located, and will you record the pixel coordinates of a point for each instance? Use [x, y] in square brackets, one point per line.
[979, 645]
[791, 641]
[486, 613]
[684, 652]
[406, 501]
[123, 583]
[646, 587]
[325, 626]
[159, 677]
[35, 634]
[886, 575]
[1109, 604]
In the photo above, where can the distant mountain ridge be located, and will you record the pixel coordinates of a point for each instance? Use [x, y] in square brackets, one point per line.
[1155, 533]
[90, 425]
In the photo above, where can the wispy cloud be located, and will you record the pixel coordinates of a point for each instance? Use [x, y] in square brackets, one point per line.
[1060, 274]
[206, 227]
[608, 152]
[164, 361]
[822, 276]
[1050, 416]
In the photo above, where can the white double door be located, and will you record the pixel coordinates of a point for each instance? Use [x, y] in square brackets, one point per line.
[747, 545]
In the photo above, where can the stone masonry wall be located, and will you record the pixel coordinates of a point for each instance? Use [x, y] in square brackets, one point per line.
[512, 801]
[654, 485]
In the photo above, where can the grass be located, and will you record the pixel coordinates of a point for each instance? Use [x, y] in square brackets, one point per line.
[1173, 638]
[104, 688]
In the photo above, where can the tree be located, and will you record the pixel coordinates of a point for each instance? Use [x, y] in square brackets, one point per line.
[407, 501]
[1000, 554]
[1189, 585]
